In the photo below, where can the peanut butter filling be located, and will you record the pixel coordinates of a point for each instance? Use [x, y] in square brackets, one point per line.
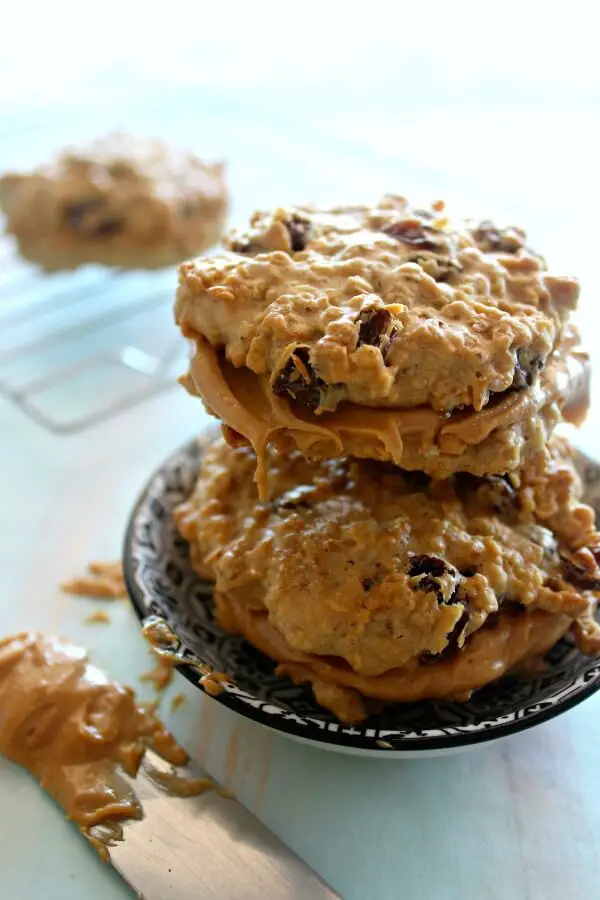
[490, 654]
[247, 404]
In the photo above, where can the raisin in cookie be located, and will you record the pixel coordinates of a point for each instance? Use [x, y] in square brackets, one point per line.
[381, 307]
[120, 202]
[372, 582]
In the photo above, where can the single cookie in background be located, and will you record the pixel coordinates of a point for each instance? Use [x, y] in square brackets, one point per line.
[121, 201]
[377, 584]
[387, 333]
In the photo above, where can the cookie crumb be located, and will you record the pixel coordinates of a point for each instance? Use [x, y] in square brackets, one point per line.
[99, 617]
[225, 793]
[177, 702]
[162, 674]
[103, 580]
[213, 683]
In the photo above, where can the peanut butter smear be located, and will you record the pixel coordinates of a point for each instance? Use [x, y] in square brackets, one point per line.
[71, 727]
[178, 785]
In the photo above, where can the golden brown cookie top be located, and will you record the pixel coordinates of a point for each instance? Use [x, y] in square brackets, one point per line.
[386, 305]
[378, 566]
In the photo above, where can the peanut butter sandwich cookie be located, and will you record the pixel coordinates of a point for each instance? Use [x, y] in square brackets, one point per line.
[388, 333]
[377, 585]
[121, 202]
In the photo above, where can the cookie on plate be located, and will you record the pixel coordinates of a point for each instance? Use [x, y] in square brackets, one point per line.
[121, 201]
[386, 332]
[494, 440]
[376, 584]
[384, 306]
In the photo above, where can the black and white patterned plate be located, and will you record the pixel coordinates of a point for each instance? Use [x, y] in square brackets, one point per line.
[161, 582]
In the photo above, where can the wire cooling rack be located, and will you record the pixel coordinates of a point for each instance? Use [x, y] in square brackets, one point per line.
[78, 348]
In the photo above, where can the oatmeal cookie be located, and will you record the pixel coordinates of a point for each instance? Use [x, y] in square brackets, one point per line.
[494, 440]
[386, 306]
[120, 202]
[360, 577]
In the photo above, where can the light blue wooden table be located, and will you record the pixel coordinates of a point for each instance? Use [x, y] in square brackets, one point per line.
[331, 107]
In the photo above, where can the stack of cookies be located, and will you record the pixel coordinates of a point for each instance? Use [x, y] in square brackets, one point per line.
[388, 514]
